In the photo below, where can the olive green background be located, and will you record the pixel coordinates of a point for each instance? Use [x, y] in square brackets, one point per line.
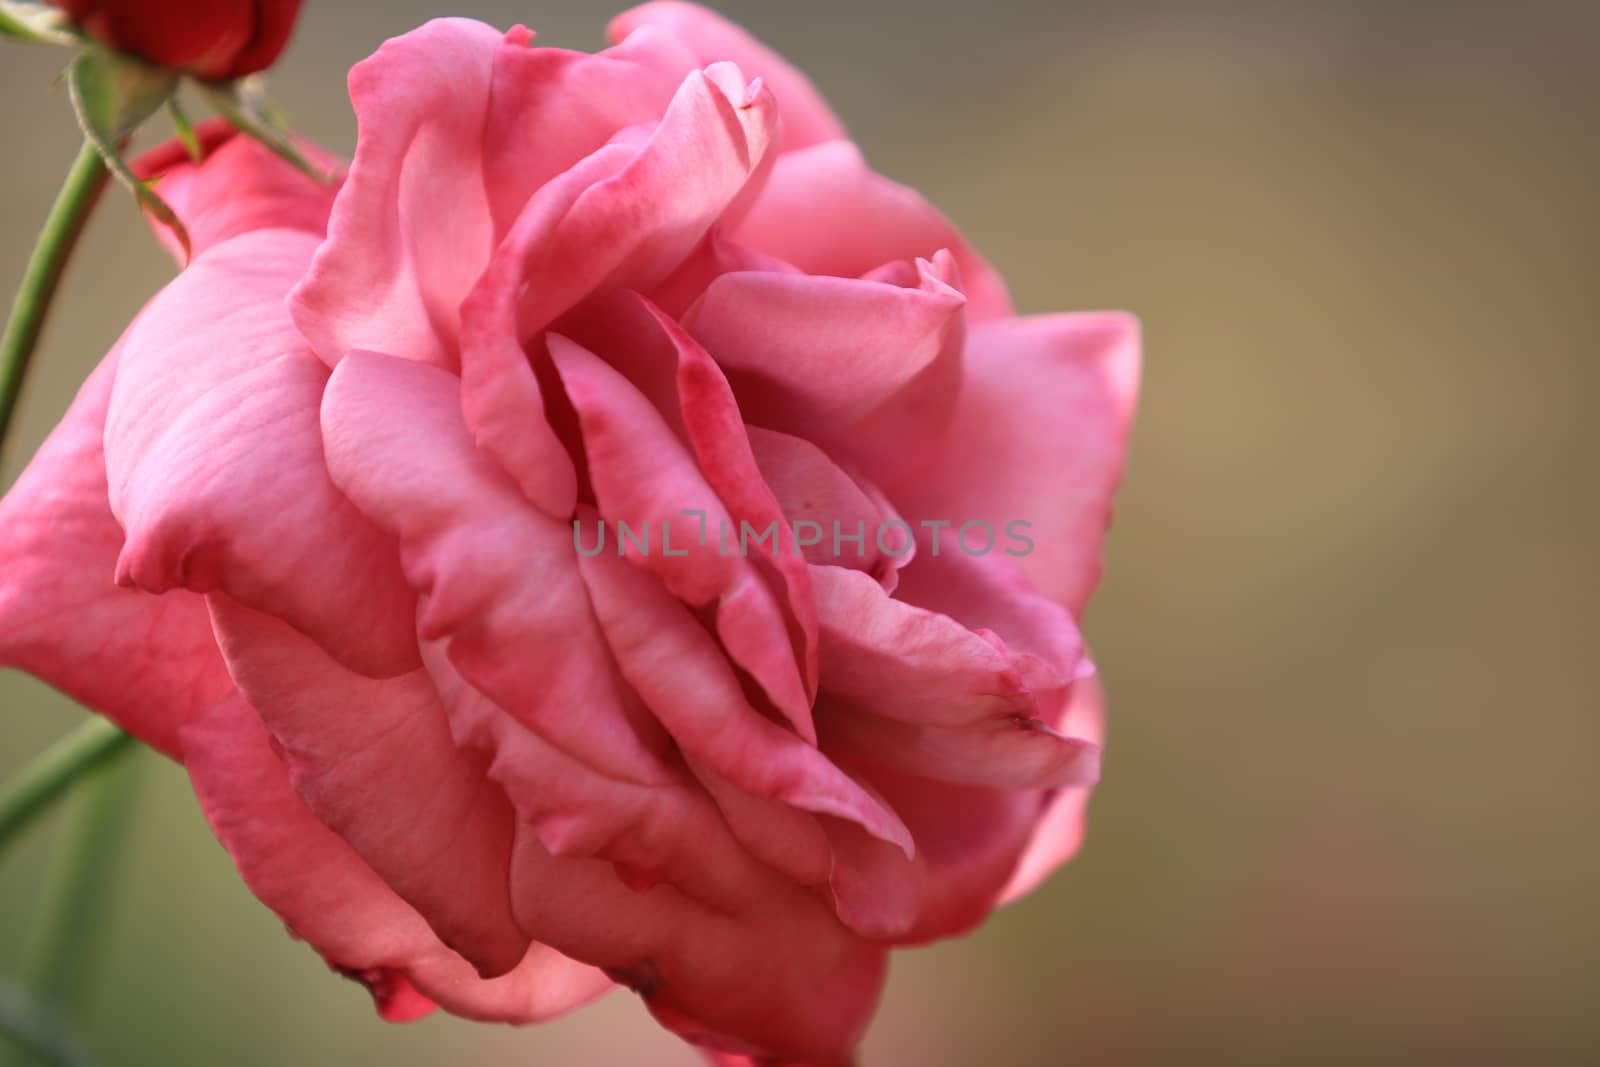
[1348, 626]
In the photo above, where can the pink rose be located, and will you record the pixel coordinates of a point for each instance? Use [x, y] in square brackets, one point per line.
[334, 469]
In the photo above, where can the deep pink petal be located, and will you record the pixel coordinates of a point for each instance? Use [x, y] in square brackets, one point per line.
[328, 896]
[824, 210]
[148, 663]
[807, 118]
[1039, 438]
[215, 461]
[626, 217]
[499, 576]
[393, 272]
[374, 761]
[241, 186]
[644, 477]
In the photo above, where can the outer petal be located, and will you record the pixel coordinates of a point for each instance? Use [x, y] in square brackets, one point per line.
[392, 274]
[148, 663]
[1059, 831]
[328, 896]
[826, 212]
[807, 118]
[626, 217]
[240, 186]
[783, 978]
[374, 761]
[215, 461]
[1039, 438]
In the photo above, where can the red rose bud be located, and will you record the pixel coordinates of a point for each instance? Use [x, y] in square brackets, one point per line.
[213, 39]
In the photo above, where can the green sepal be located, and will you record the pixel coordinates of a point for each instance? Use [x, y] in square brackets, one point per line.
[37, 23]
[184, 129]
[246, 108]
[113, 94]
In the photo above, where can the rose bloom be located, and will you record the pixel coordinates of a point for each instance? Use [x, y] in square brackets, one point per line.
[214, 39]
[309, 530]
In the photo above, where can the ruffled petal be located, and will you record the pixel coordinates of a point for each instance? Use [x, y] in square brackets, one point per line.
[644, 478]
[240, 186]
[709, 37]
[375, 762]
[1039, 440]
[812, 355]
[917, 666]
[824, 210]
[500, 577]
[625, 217]
[391, 276]
[148, 663]
[328, 896]
[215, 461]
[682, 676]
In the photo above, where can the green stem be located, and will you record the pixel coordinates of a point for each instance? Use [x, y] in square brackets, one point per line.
[62, 944]
[48, 775]
[78, 194]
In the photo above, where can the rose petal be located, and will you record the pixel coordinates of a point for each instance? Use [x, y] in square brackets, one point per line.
[807, 119]
[328, 896]
[148, 663]
[374, 761]
[215, 461]
[391, 277]
[499, 576]
[241, 186]
[1039, 438]
[643, 478]
[824, 210]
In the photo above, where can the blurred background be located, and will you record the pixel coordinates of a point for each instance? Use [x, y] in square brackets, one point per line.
[1347, 625]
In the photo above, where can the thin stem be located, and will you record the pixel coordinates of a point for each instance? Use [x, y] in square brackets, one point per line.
[58, 954]
[83, 186]
[48, 775]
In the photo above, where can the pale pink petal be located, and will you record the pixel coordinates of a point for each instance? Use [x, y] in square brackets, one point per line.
[499, 576]
[1039, 439]
[374, 761]
[148, 663]
[813, 355]
[215, 461]
[643, 477]
[241, 186]
[807, 118]
[625, 217]
[393, 272]
[824, 210]
[329, 897]
[918, 666]
[1059, 831]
